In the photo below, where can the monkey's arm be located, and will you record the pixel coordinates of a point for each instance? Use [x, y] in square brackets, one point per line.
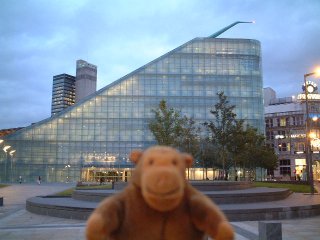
[209, 218]
[104, 220]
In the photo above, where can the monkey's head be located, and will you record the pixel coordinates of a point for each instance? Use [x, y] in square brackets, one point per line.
[160, 173]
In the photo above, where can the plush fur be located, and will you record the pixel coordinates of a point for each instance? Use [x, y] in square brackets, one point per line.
[158, 204]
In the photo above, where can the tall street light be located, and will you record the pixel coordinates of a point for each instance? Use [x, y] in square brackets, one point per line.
[2, 142]
[307, 141]
[11, 162]
[67, 167]
[5, 148]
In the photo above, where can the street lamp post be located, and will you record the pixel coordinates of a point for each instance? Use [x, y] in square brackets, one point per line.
[5, 148]
[67, 167]
[11, 162]
[307, 141]
[2, 142]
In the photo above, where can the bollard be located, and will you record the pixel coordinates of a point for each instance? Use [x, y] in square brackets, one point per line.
[270, 231]
[1, 201]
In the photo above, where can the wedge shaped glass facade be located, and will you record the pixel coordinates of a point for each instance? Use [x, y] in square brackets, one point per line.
[102, 129]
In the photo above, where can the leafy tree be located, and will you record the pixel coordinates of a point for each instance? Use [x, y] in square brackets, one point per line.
[255, 153]
[167, 125]
[222, 129]
[188, 141]
[267, 159]
[171, 129]
[237, 146]
[208, 157]
[229, 144]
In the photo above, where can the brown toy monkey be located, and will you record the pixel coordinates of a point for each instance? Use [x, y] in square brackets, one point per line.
[158, 204]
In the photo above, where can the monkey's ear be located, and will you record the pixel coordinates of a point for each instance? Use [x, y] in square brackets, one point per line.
[135, 156]
[188, 159]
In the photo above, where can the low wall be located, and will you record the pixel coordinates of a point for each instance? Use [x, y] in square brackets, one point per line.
[221, 185]
[205, 185]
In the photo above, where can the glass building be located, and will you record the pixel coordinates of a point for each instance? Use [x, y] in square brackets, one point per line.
[96, 134]
[63, 92]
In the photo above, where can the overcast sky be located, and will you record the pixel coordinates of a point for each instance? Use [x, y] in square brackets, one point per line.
[42, 38]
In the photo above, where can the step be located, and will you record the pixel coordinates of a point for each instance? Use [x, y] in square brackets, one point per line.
[249, 195]
[297, 205]
[205, 185]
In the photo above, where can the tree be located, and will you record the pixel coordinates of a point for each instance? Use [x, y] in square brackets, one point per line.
[269, 159]
[255, 153]
[208, 157]
[222, 129]
[188, 141]
[236, 146]
[167, 125]
[228, 145]
[171, 129]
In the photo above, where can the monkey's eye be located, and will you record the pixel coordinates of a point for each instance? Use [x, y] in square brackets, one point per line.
[174, 162]
[151, 161]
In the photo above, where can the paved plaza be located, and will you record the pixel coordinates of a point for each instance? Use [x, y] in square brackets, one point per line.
[17, 223]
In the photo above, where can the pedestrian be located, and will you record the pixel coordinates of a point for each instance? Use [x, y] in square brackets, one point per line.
[39, 180]
[20, 179]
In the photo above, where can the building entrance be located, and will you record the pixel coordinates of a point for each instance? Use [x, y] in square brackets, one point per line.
[99, 175]
[300, 169]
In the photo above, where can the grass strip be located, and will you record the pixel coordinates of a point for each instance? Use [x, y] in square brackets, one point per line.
[68, 192]
[299, 188]
[103, 186]
[65, 193]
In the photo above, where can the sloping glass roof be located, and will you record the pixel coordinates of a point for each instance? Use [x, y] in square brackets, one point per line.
[103, 128]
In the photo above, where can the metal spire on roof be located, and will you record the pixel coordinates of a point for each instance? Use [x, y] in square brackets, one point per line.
[226, 28]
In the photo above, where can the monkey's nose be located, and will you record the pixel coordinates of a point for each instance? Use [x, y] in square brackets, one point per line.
[165, 181]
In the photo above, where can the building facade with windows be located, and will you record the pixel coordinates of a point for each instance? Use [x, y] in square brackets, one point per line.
[286, 133]
[63, 92]
[94, 137]
[86, 79]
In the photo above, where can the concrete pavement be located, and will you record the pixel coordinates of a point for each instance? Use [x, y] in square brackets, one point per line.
[17, 223]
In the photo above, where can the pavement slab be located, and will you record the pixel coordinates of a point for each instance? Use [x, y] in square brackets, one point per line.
[17, 223]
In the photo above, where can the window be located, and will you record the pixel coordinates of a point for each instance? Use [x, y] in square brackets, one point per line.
[299, 147]
[270, 172]
[285, 171]
[297, 121]
[287, 121]
[284, 162]
[314, 108]
[269, 123]
[294, 121]
[283, 147]
[281, 134]
[269, 135]
[283, 122]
